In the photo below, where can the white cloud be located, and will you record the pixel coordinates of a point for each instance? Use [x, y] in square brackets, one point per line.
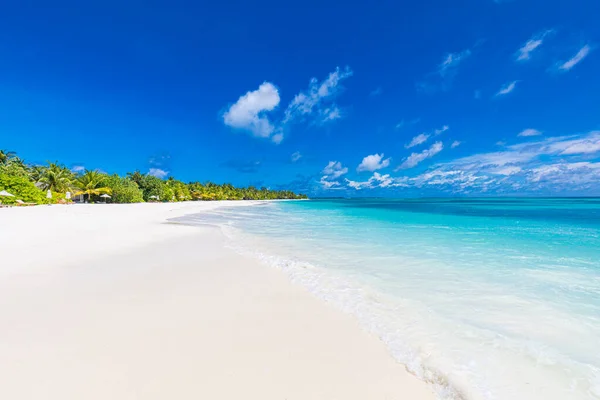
[455, 144]
[328, 184]
[249, 111]
[506, 170]
[568, 173]
[416, 158]
[378, 180]
[529, 153]
[506, 89]
[157, 172]
[529, 132]
[334, 170]
[330, 114]
[452, 61]
[305, 103]
[577, 58]
[500, 143]
[586, 145]
[373, 163]
[559, 165]
[524, 53]
[277, 138]
[459, 179]
[551, 165]
[296, 156]
[417, 140]
[78, 168]
[400, 124]
[441, 130]
[423, 137]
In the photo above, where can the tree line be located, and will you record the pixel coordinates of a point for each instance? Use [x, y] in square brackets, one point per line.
[31, 183]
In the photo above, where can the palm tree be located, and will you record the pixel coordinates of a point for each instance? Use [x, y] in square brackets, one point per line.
[56, 178]
[136, 176]
[5, 156]
[91, 183]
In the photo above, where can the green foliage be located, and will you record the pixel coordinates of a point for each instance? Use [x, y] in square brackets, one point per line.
[55, 177]
[92, 183]
[124, 190]
[212, 191]
[181, 191]
[15, 167]
[22, 188]
[29, 183]
[5, 156]
[153, 188]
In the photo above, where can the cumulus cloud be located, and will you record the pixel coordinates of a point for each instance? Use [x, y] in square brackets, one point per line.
[524, 53]
[373, 162]
[417, 140]
[334, 170]
[455, 144]
[296, 156]
[529, 132]
[507, 88]
[253, 111]
[416, 158]
[551, 161]
[313, 99]
[551, 165]
[249, 111]
[576, 59]
[157, 172]
[559, 165]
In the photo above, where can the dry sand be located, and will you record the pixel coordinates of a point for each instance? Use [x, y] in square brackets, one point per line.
[109, 302]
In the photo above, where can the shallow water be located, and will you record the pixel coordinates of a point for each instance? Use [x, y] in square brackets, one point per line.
[482, 298]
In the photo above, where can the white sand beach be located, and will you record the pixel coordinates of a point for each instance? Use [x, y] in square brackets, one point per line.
[110, 302]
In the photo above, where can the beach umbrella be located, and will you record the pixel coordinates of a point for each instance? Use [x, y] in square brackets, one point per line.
[105, 196]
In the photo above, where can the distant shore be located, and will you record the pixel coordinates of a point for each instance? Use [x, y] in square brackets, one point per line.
[110, 302]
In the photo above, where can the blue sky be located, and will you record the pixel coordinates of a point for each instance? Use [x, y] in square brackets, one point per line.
[333, 98]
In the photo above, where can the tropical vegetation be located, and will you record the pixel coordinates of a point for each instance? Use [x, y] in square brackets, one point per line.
[32, 183]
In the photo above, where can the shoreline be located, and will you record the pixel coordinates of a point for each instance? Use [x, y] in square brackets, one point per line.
[111, 301]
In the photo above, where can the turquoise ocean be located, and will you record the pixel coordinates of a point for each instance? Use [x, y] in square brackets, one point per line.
[495, 298]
